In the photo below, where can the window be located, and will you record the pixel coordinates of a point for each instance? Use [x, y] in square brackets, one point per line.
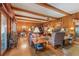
[3, 33]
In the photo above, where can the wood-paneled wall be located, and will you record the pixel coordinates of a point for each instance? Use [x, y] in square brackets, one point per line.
[68, 24]
[51, 23]
[67, 21]
[27, 24]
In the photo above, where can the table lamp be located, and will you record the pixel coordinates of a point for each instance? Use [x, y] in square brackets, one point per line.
[36, 31]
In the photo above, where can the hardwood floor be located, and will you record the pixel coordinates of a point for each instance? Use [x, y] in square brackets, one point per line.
[22, 49]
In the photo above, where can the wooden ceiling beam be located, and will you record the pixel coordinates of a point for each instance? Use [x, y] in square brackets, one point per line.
[52, 8]
[31, 12]
[30, 17]
[33, 21]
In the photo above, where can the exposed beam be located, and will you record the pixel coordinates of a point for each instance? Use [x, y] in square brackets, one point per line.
[33, 21]
[52, 8]
[31, 12]
[29, 17]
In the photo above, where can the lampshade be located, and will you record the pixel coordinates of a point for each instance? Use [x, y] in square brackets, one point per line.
[36, 30]
[29, 29]
[72, 28]
[23, 27]
[50, 30]
[62, 30]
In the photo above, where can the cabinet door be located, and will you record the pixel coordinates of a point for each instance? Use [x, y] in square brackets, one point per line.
[3, 33]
